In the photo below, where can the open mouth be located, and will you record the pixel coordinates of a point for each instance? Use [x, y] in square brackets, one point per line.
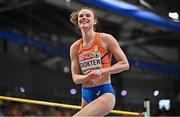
[84, 21]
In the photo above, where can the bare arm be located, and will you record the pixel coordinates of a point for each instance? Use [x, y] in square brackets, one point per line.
[122, 62]
[76, 73]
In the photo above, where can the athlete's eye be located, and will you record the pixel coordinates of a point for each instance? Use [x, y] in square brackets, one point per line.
[88, 15]
[81, 15]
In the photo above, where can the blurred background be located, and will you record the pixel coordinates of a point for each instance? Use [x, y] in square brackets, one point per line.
[35, 37]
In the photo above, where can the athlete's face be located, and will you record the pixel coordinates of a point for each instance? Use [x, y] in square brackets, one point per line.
[86, 19]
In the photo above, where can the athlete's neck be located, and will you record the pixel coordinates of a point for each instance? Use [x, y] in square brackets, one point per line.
[88, 36]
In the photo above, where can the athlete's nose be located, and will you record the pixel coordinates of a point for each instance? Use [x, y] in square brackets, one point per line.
[84, 16]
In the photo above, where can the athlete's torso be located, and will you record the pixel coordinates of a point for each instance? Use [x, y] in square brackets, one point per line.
[94, 57]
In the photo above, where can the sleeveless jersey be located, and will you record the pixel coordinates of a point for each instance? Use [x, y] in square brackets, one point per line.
[94, 57]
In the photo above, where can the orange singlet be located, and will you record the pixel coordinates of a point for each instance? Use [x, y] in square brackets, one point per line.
[94, 57]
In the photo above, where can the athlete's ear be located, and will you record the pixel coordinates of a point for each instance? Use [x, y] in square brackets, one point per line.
[95, 21]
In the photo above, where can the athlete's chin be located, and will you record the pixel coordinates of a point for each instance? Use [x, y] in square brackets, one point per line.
[84, 25]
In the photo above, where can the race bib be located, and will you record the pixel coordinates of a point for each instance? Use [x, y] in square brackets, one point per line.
[90, 61]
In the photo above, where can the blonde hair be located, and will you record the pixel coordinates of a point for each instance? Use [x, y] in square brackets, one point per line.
[74, 16]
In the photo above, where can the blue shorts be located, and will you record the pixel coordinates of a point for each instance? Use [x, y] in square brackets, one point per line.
[91, 93]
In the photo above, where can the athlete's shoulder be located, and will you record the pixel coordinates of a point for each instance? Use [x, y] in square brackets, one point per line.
[74, 48]
[75, 44]
[106, 36]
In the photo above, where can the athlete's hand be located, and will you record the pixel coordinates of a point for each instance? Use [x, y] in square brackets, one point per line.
[95, 74]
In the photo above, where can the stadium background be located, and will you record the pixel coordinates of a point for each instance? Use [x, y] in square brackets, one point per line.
[35, 37]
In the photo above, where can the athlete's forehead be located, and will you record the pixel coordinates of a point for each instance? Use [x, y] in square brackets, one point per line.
[85, 11]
